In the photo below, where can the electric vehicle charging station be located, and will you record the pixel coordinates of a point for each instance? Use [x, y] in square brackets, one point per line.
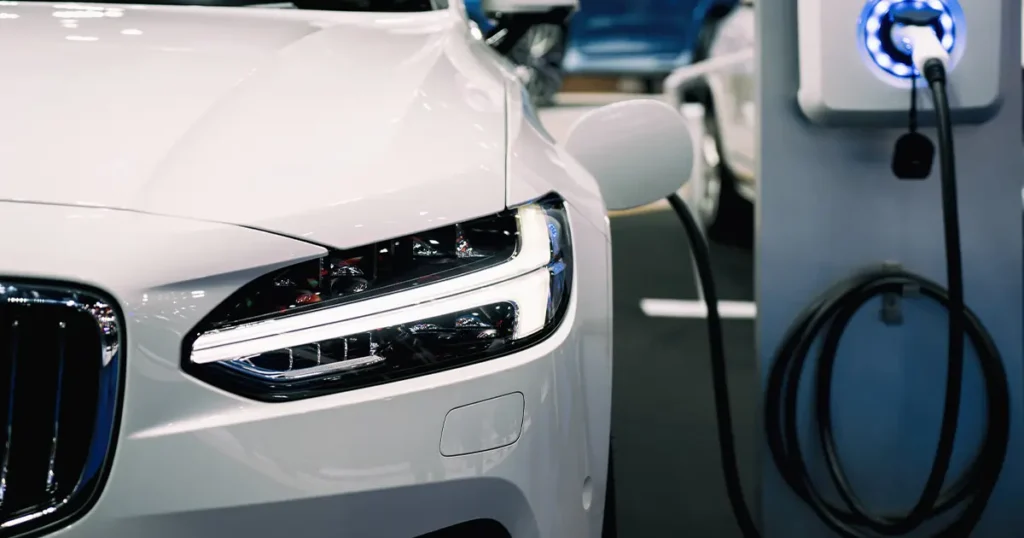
[889, 293]
[831, 107]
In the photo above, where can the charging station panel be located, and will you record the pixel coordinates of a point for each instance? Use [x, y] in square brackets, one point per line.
[829, 208]
[853, 74]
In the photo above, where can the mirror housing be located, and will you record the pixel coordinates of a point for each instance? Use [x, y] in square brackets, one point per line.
[639, 151]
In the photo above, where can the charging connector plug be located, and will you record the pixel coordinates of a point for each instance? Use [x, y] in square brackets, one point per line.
[923, 44]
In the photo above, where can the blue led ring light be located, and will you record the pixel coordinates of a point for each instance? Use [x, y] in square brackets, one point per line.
[877, 27]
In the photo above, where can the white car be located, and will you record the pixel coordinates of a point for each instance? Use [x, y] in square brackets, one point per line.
[730, 118]
[278, 272]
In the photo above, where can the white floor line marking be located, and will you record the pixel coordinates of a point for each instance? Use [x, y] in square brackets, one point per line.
[675, 308]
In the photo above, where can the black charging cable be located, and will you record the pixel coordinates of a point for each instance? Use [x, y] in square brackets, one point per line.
[912, 120]
[825, 320]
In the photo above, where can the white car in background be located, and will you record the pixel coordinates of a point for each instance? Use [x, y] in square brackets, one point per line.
[287, 272]
[723, 194]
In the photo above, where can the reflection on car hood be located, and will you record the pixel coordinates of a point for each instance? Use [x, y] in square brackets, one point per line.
[341, 128]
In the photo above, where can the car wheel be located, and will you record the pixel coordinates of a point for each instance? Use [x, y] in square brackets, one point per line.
[708, 188]
[538, 58]
[727, 216]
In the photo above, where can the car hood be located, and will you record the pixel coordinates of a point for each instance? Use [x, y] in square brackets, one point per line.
[338, 128]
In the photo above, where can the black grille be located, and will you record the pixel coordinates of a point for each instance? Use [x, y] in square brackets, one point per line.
[60, 379]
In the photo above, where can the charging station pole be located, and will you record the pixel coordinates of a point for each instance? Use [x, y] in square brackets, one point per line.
[829, 206]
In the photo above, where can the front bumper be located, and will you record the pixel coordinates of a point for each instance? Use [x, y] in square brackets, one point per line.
[194, 461]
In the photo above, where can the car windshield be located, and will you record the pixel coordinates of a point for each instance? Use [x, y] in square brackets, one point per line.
[327, 5]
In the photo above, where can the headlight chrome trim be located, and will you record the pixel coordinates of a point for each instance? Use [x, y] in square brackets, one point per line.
[209, 347]
[528, 281]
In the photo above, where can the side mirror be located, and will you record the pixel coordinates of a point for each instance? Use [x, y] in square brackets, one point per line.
[639, 151]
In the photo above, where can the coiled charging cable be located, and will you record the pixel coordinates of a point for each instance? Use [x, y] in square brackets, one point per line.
[825, 320]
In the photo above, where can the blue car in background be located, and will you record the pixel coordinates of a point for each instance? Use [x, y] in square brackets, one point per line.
[638, 38]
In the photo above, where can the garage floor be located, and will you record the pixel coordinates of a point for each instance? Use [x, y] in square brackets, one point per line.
[666, 454]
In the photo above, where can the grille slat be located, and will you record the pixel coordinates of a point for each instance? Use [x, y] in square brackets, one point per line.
[62, 374]
[9, 428]
[51, 477]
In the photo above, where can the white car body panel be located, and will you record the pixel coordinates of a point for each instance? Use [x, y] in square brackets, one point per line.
[152, 161]
[262, 118]
[539, 165]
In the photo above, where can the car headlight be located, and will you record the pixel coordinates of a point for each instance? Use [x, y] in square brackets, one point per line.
[402, 308]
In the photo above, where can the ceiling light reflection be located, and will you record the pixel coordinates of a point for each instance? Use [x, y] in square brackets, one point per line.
[85, 7]
[78, 14]
[113, 13]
